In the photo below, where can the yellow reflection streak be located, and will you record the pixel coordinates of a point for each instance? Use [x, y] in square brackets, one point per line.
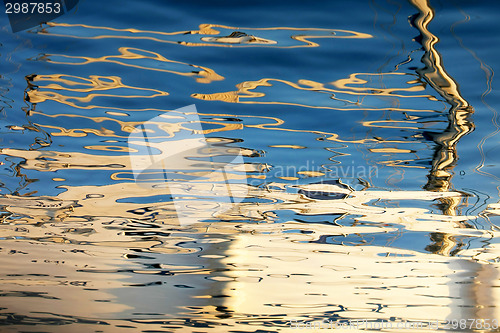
[377, 123]
[128, 127]
[445, 157]
[360, 89]
[93, 83]
[204, 75]
[100, 83]
[210, 29]
[245, 91]
[401, 164]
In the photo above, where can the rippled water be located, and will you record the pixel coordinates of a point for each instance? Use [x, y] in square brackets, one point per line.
[369, 131]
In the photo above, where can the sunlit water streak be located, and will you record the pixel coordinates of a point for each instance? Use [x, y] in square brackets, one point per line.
[409, 234]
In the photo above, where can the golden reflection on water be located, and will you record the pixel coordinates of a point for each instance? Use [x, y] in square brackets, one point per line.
[459, 123]
[355, 86]
[209, 30]
[129, 56]
[445, 156]
[62, 82]
[41, 93]
[88, 243]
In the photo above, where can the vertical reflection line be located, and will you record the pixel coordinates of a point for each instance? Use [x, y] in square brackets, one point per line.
[227, 185]
[165, 177]
[150, 152]
[445, 155]
[439, 178]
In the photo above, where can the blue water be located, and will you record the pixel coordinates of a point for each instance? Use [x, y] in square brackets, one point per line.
[389, 106]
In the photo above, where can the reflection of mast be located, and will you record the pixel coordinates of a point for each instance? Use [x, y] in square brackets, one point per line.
[445, 155]
[444, 159]
[458, 125]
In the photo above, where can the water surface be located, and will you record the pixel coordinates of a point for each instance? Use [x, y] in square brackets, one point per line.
[369, 131]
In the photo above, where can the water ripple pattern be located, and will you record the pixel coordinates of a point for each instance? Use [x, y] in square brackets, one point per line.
[369, 187]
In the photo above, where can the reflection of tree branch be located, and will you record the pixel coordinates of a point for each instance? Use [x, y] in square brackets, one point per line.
[434, 73]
